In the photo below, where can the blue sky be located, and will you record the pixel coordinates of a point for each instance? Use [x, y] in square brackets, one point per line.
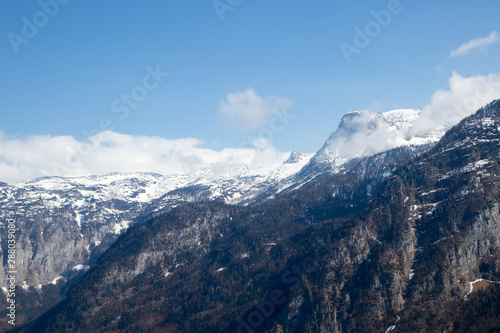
[283, 55]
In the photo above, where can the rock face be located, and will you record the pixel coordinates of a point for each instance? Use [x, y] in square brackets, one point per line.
[338, 254]
[390, 136]
[65, 224]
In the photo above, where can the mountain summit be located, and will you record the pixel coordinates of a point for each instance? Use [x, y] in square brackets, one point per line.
[365, 133]
[295, 157]
[403, 260]
[66, 225]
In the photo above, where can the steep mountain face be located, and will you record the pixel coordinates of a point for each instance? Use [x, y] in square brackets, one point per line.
[365, 133]
[165, 258]
[457, 225]
[65, 224]
[82, 213]
[367, 144]
[330, 256]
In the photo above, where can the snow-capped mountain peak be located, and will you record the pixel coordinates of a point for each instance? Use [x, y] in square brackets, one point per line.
[295, 157]
[365, 133]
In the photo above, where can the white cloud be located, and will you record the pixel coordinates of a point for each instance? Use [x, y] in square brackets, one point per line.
[107, 152]
[479, 43]
[246, 109]
[465, 96]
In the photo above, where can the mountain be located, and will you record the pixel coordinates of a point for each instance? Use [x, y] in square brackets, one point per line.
[332, 255]
[368, 143]
[65, 224]
[365, 133]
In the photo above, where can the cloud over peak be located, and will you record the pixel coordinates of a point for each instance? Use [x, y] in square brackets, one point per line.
[107, 152]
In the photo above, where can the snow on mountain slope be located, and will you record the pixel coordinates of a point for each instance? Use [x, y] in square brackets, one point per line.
[138, 188]
[95, 210]
[240, 189]
[68, 222]
[65, 224]
[365, 133]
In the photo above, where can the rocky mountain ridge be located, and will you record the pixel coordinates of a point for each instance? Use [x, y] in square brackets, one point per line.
[323, 258]
[67, 223]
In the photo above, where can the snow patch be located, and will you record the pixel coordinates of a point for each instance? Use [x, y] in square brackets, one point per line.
[379, 242]
[119, 227]
[393, 326]
[78, 220]
[433, 191]
[81, 267]
[54, 282]
[471, 285]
